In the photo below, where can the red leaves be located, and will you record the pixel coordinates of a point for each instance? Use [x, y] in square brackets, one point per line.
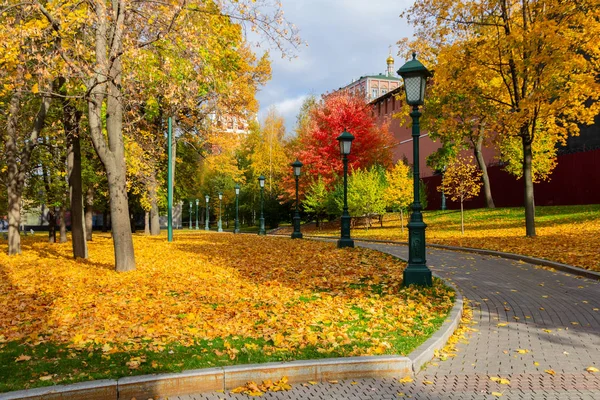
[338, 112]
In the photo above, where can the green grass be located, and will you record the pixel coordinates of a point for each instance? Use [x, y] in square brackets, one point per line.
[566, 234]
[68, 365]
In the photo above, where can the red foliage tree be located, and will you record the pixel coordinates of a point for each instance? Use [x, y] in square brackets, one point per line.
[339, 111]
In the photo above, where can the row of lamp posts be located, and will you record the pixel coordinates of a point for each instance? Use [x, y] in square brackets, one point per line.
[415, 79]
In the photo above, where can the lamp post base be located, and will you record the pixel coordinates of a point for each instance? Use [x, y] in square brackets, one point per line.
[220, 227]
[417, 275]
[296, 235]
[261, 229]
[344, 242]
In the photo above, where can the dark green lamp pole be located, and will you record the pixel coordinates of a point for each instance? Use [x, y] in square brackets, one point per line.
[220, 224]
[197, 207]
[415, 80]
[296, 234]
[443, 194]
[345, 140]
[236, 225]
[191, 214]
[206, 226]
[261, 228]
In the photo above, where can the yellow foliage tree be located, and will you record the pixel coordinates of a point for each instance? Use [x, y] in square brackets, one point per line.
[538, 60]
[399, 192]
[462, 181]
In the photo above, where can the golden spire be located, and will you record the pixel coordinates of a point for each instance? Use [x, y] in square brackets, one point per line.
[390, 59]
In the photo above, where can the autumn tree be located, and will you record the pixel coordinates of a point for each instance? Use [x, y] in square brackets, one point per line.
[336, 112]
[110, 33]
[539, 59]
[27, 60]
[398, 194]
[366, 189]
[315, 201]
[462, 181]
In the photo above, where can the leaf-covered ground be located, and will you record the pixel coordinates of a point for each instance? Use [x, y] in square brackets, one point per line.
[205, 299]
[567, 234]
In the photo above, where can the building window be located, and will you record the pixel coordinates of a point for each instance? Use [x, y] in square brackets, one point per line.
[383, 91]
[374, 93]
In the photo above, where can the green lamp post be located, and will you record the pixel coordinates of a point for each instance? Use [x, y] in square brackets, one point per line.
[296, 165]
[345, 140]
[261, 228]
[206, 226]
[236, 225]
[220, 224]
[415, 80]
[197, 207]
[443, 194]
[190, 226]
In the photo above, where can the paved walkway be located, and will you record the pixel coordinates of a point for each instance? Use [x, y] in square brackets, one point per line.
[529, 320]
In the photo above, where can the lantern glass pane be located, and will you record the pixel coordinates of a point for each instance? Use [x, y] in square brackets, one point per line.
[237, 191]
[262, 183]
[297, 171]
[414, 89]
[345, 146]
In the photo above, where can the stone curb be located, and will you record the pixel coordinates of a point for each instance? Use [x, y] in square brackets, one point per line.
[226, 378]
[425, 352]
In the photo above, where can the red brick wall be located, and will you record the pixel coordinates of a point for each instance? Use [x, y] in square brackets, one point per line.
[575, 180]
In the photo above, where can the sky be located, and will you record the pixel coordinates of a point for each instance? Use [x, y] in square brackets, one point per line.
[346, 40]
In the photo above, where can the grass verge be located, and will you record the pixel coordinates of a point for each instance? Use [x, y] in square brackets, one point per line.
[204, 300]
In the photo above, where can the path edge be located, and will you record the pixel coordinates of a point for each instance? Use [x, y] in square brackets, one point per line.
[222, 379]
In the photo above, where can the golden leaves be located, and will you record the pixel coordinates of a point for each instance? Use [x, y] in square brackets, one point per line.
[288, 294]
[592, 369]
[253, 389]
[550, 372]
[502, 381]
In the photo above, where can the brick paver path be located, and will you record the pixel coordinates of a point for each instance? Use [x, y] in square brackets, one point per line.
[552, 317]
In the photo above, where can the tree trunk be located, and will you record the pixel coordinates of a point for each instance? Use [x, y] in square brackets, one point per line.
[14, 217]
[147, 223]
[17, 161]
[105, 88]
[487, 189]
[154, 213]
[51, 218]
[528, 181]
[63, 224]
[401, 220]
[105, 218]
[89, 214]
[462, 218]
[14, 187]
[71, 119]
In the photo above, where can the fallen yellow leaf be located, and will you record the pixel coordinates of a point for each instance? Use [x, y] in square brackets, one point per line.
[550, 371]
[406, 379]
[497, 394]
[592, 369]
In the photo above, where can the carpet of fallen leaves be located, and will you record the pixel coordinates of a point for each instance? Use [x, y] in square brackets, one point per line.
[291, 293]
[569, 235]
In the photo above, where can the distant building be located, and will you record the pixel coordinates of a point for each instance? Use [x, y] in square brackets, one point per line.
[375, 85]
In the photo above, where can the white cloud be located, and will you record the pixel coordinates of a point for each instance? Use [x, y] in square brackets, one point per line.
[346, 39]
[288, 109]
